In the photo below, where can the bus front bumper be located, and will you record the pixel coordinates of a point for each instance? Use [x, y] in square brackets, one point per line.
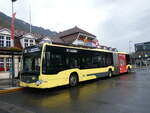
[31, 85]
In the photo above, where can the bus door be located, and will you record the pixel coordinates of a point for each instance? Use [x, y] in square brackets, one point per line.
[122, 63]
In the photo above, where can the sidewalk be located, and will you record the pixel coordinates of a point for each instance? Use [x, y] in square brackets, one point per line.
[7, 87]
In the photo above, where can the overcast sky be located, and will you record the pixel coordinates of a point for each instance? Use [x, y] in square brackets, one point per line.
[114, 22]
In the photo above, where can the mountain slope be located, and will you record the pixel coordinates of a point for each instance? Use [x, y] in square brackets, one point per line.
[5, 21]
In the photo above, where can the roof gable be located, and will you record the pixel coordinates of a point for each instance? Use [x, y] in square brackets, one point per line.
[29, 35]
[74, 31]
[5, 31]
[47, 38]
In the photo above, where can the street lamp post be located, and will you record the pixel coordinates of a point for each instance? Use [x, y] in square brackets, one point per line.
[146, 63]
[12, 1]
[140, 57]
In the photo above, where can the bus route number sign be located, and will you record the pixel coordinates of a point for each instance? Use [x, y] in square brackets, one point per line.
[71, 50]
[31, 50]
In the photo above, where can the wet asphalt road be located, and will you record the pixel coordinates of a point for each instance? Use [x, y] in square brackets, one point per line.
[127, 93]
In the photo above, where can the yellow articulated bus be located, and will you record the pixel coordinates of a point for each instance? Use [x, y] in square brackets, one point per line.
[52, 65]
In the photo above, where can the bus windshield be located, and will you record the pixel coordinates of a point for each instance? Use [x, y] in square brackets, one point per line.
[31, 62]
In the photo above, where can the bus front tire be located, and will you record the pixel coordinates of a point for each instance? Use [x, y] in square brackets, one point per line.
[109, 73]
[73, 80]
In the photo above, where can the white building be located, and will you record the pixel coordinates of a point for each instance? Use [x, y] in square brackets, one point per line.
[9, 48]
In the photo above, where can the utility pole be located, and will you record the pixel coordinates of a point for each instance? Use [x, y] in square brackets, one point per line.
[130, 52]
[130, 46]
[13, 70]
[30, 18]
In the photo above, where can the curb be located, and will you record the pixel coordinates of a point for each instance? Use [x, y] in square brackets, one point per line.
[9, 90]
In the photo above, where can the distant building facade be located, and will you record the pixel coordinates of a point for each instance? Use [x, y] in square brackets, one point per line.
[12, 49]
[142, 50]
[8, 48]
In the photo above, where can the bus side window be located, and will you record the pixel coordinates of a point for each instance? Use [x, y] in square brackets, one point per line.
[110, 59]
[46, 62]
[56, 60]
[95, 61]
[67, 61]
[89, 61]
[82, 62]
[99, 61]
[128, 59]
[73, 61]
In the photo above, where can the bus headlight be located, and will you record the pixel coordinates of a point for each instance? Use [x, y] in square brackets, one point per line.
[39, 82]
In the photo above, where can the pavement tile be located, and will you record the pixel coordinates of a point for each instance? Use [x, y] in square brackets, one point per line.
[7, 87]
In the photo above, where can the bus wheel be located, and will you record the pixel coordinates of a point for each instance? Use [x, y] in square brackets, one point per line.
[109, 73]
[128, 70]
[73, 80]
